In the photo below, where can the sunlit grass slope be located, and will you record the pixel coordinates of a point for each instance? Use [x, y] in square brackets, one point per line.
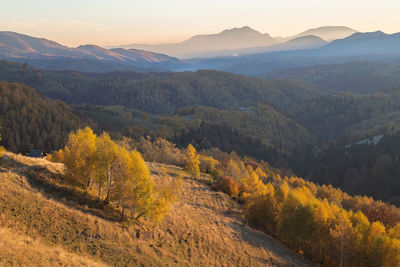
[43, 222]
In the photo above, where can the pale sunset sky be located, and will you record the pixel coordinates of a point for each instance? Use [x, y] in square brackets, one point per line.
[106, 22]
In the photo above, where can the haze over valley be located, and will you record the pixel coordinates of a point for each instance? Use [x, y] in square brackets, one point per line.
[168, 133]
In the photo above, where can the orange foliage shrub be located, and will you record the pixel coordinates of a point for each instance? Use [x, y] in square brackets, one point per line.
[228, 186]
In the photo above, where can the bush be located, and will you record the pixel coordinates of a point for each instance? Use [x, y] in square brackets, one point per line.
[229, 187]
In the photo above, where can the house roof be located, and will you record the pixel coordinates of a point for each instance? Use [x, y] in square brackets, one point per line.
[36, 153]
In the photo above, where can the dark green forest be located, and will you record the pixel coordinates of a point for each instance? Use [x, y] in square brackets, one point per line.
[31, 121]
[361, 77]
[367, 169]
[348, 115]
[161, 93]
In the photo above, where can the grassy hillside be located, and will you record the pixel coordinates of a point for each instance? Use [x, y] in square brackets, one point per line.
[65, 227]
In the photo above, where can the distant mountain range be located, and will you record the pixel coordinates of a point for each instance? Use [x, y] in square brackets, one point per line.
[239, 41]
[365, 43]
[371, 47]
[236, 38]
[51, 55]
[264, 55]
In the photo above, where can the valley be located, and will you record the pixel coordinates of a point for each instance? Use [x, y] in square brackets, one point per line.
[171, 134]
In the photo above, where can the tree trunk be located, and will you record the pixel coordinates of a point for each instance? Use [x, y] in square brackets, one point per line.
[108, 187]
[122, 199]
[98, 196]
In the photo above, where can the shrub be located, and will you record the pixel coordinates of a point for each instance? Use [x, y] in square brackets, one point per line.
[229, 187]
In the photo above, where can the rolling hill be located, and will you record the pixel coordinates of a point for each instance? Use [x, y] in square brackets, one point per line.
[356, 77]
[336, 115]
[137, 104]
[161, 93]
[29, 120]
[45, 222]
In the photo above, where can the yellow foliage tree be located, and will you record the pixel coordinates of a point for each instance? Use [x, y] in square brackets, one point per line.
[207, 164]
[166, 191]
[2, 149]
[192, 161]
[253, 186]
[343, 235]
[104, 158]
[90, 159]
[58, 156]
[79, 157]
[140, 187]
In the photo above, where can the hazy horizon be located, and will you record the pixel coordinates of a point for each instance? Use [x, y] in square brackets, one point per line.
[124, 22]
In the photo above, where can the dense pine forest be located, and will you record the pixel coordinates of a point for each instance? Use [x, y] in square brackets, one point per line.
[31, 121]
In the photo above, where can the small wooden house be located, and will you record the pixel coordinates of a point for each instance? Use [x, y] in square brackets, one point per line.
[35, 153]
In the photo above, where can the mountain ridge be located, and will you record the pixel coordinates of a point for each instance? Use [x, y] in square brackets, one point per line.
[236, 35]
[49, 54]
[328, 33]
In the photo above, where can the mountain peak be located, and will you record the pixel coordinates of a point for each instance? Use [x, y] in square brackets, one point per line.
[329, 33]
[240, 30]
[245, 30]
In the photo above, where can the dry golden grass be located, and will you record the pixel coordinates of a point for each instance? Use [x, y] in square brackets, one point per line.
[39, 215]
[17, 249]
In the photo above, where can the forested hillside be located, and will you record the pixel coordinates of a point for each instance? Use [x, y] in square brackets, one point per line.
[364, 168]
[161, 93]
[355, 77]
[348, 114]
[260, 122]
[29, 120]
[288, 123]
[258, 131]
[165, 97]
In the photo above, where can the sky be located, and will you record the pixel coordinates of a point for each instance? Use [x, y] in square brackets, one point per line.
[106, 22]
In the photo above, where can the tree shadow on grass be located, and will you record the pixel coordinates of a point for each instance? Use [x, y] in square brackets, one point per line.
[52, 186]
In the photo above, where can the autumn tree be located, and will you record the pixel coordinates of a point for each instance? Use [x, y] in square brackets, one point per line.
[56, 156]
[167, 190]
[79, 157]
[2, 149]
[140, 186]
[192, 161]
[104, 158]
[343, 237]
[229, 186]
